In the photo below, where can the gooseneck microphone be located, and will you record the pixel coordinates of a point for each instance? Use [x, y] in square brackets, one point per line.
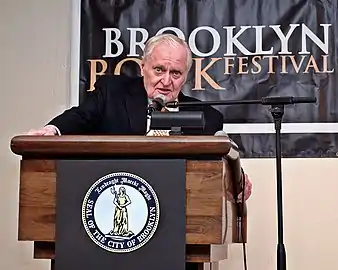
[237, 186]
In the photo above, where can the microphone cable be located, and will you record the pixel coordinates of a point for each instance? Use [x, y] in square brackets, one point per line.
[242, 227]
[242, 219]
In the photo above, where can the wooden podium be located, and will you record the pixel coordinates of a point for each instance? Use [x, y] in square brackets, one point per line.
[207, 218]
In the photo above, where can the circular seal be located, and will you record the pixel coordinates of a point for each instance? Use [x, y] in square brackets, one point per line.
[120, 212]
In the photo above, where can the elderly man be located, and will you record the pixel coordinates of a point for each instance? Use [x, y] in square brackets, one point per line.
[118, 105]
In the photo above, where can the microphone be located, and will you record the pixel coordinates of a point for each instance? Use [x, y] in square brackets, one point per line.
[236, 187]
[234, 151]
[263, 101]
[233, 158]
[287, 100]
[156, 104]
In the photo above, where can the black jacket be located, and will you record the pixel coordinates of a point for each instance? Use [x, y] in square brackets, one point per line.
[118, 106]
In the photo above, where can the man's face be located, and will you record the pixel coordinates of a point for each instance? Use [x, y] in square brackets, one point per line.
[165, 71]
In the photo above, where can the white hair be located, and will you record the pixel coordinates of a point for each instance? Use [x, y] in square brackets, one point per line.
[168, 39]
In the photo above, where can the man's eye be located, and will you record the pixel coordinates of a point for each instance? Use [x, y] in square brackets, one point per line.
[158, 69]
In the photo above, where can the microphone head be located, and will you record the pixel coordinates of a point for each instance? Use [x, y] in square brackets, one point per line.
[221, 133]
[156, 104]
[160, 97]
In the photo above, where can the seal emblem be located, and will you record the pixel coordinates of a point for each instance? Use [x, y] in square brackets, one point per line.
[120, 212]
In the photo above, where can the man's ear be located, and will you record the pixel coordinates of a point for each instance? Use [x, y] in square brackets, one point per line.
[142, 66]
[186, 78]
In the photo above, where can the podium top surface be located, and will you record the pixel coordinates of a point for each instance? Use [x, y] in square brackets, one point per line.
[108, 145]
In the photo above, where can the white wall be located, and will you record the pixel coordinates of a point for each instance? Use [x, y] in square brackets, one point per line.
[310, 232]
[34, 80]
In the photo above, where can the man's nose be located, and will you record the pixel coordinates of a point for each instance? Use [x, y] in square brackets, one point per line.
[166, 79]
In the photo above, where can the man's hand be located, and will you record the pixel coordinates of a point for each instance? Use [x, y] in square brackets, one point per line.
[45, 131]
[247, 190]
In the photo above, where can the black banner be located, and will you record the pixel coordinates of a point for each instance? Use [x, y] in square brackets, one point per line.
[242, 50]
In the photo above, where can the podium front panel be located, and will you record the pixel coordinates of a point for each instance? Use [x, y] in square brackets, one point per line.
[120, 214]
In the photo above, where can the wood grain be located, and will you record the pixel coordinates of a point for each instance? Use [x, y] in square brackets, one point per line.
[119, 145]
[194, 253]
[38, 200]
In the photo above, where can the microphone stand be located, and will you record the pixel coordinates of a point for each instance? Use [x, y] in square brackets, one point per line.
[277, 112]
